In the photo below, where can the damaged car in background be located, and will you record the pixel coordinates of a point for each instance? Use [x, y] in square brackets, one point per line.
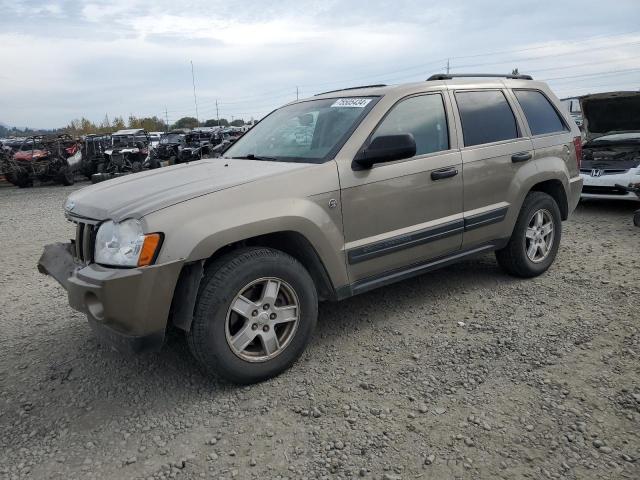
[44, 158]
[127, 152]
[180, 146]
[611, 153]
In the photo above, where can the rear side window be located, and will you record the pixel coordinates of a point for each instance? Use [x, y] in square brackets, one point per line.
[541, 116]
[424, 117]
[486, 117]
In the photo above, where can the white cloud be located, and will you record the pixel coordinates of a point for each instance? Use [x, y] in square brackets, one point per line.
[133, 57]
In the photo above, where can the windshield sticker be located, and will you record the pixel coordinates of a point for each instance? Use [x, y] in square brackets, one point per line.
[351, 103]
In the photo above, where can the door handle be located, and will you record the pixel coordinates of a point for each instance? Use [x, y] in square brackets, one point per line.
[444, 173]
[521, 157]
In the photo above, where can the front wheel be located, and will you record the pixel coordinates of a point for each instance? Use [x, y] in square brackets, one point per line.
[66, 176]
[255, 313]
[636, 218]
[534, 242]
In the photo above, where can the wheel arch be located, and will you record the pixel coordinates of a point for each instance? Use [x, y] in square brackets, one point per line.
[290, 242]
[556, 190]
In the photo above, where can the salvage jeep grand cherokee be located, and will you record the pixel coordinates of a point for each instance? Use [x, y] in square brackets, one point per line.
[325, 198]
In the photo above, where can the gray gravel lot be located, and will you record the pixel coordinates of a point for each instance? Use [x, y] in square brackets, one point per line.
[461, 373]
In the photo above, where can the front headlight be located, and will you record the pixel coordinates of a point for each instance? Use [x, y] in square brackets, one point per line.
[124, 245]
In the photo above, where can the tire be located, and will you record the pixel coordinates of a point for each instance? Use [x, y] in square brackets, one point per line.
[636, 218]
[21, 178]
[211, 334]
[66, 176]
[513, 258]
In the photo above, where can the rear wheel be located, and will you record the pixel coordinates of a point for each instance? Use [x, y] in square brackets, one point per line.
[255, 313]
[534, 242]
[636, 218]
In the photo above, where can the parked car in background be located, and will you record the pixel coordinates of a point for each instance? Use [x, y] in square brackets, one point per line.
[46, 158]
[126, 153]
[237, 253]
[572, 104]
[167, 151]
[611, 153]
[154, 138]
[93, 153]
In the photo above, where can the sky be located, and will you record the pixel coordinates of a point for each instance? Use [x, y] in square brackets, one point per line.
[68, 59]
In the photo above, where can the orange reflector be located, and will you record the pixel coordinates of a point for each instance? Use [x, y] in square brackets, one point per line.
[149, 248]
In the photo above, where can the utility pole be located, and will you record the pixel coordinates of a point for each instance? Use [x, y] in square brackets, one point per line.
[166, 118]
[297, 94]
[195, 99]
[448, 66]
[217, 113]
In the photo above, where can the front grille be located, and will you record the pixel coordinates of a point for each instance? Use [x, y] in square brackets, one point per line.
[84, 242]
[604, 171]
[600, 190]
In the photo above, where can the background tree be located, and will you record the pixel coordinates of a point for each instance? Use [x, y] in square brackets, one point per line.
[212, 122]
[118, 124]
[150, 124]
[186, 122]
[238, 122]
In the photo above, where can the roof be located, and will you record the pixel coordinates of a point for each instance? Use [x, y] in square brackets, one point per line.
[130, 131]
[482, 81]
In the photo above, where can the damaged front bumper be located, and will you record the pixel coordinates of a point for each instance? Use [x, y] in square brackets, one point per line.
[127, 308]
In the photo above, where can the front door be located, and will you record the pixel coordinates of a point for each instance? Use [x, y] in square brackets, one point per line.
[401, 213]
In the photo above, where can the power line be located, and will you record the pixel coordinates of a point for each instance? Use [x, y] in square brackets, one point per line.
[613, 72]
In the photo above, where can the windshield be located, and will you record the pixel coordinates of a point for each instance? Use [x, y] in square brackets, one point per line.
[308, 132]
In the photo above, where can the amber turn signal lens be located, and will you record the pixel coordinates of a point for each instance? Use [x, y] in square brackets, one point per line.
[149, 248]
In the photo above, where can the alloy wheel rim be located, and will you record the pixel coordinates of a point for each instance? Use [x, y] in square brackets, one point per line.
[262, 319]
[539, 236]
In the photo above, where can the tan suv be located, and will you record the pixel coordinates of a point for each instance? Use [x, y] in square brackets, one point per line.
[325, 198]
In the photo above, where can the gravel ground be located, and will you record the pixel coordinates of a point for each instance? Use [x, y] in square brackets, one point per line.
[462, 373]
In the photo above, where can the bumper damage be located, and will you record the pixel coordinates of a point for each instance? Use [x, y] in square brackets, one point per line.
[127, 308]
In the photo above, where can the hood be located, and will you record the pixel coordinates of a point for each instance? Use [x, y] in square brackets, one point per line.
[605, 113]
[134, 196]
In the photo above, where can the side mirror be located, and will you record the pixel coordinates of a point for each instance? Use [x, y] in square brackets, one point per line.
[385, 148]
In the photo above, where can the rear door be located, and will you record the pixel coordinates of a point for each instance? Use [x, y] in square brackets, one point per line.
[404, 212]
[494, 154]
[550, 134]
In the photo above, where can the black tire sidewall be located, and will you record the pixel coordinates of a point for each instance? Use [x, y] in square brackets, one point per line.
[211, 312]
[546, 202]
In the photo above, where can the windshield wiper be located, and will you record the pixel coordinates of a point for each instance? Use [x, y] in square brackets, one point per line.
[251, 156]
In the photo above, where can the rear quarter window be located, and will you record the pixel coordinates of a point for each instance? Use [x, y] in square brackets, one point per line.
[486, 117]
[541, 116]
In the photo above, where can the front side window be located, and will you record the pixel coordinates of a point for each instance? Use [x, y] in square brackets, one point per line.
[541, 116]
[424, 117]
[486, 117]
[307, 132]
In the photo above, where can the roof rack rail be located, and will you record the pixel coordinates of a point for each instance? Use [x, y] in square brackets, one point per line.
[352, 88]
[450, 76]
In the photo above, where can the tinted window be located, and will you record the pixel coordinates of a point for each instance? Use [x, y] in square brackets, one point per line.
[486, 117]
[422, 116]
[541, 116]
